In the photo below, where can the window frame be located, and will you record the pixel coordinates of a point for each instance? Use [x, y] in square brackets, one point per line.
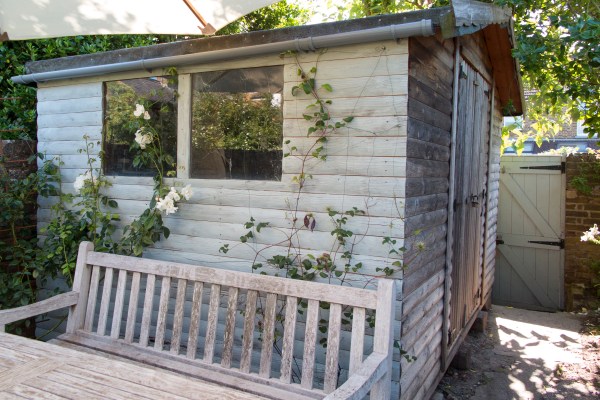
[184, 122]
[104, 91]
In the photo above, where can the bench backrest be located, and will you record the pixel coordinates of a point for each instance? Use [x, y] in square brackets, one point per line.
[259, 314]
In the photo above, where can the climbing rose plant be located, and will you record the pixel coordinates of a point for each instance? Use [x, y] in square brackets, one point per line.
[149, 227]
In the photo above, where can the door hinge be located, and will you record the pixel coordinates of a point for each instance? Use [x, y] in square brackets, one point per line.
[560, 243]
[562, 167]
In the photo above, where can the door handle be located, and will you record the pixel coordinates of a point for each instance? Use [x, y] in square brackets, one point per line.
[474, 200]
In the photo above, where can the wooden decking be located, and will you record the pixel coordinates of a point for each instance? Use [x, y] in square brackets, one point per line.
[36, 370]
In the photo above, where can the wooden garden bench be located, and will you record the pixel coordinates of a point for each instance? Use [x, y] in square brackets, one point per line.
[108, 290]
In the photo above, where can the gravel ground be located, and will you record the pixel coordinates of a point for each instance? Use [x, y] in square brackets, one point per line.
[529, 355]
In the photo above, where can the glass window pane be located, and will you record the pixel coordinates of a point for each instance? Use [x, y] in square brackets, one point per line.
[159, 95]
[237, 124]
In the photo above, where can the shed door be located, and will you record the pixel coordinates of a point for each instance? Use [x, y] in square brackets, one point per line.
[530, 259]
[473, 127]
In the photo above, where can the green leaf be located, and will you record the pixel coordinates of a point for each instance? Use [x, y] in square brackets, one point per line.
[327, 87]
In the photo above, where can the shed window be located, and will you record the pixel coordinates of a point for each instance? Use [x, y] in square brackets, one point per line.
[159, 95]
[237, 124]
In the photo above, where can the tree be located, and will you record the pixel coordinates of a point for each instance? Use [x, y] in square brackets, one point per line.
[277, 15]
[558, 50]
[17, 102]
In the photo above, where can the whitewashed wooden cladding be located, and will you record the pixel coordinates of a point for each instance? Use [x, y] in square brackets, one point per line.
[365, 167]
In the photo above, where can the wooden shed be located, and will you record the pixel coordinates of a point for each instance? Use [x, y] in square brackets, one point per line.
[420, 156]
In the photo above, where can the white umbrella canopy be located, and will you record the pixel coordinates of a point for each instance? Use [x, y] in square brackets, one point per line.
[36, 19]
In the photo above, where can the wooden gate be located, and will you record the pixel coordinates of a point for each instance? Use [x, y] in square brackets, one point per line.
[530, 259]
[472, 139]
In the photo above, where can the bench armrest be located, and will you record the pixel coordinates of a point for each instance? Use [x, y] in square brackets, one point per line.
[360, 382]
[41, 307]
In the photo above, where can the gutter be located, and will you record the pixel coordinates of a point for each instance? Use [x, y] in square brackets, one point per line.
[391, 32]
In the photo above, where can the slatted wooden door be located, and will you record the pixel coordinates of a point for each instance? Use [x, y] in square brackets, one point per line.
[530, 259]
[474, 105]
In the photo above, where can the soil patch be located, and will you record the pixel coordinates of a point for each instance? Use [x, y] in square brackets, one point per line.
[529, 355]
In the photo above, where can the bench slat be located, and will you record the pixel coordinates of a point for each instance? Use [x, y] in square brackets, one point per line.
[118, 310]
[346, 295]
[211, 325]
[310, 341]
[91, 305]
[161, 322]
[147, 313]
[266, 354]
[229, 327]
[178, 317]
[105, 302]
[247, 339]
[357, 341]
[132, 310]
[195, 320]
[289, 329]
[333, 348]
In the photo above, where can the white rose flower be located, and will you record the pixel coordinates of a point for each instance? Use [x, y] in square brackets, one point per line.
[79, 182]
[142, 138]
[174, 195]
[139, 110]
[146, 115]
[167, 205]
[187, 192]
[82, 179]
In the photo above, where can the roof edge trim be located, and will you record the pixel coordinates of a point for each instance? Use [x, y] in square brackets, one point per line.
[423, 27]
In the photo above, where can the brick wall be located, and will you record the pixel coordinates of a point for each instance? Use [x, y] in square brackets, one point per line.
[582, 211]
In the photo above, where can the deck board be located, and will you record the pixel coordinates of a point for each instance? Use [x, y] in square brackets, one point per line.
[39, 370]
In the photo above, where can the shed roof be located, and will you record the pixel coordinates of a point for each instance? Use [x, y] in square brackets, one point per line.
[464, 17]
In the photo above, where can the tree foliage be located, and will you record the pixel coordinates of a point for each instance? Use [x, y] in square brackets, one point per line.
[558, 50]
[277, 15]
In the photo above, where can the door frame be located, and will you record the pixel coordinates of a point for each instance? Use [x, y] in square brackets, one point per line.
[449, 348]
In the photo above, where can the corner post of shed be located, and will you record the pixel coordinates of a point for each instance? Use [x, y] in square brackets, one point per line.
[81, 285]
